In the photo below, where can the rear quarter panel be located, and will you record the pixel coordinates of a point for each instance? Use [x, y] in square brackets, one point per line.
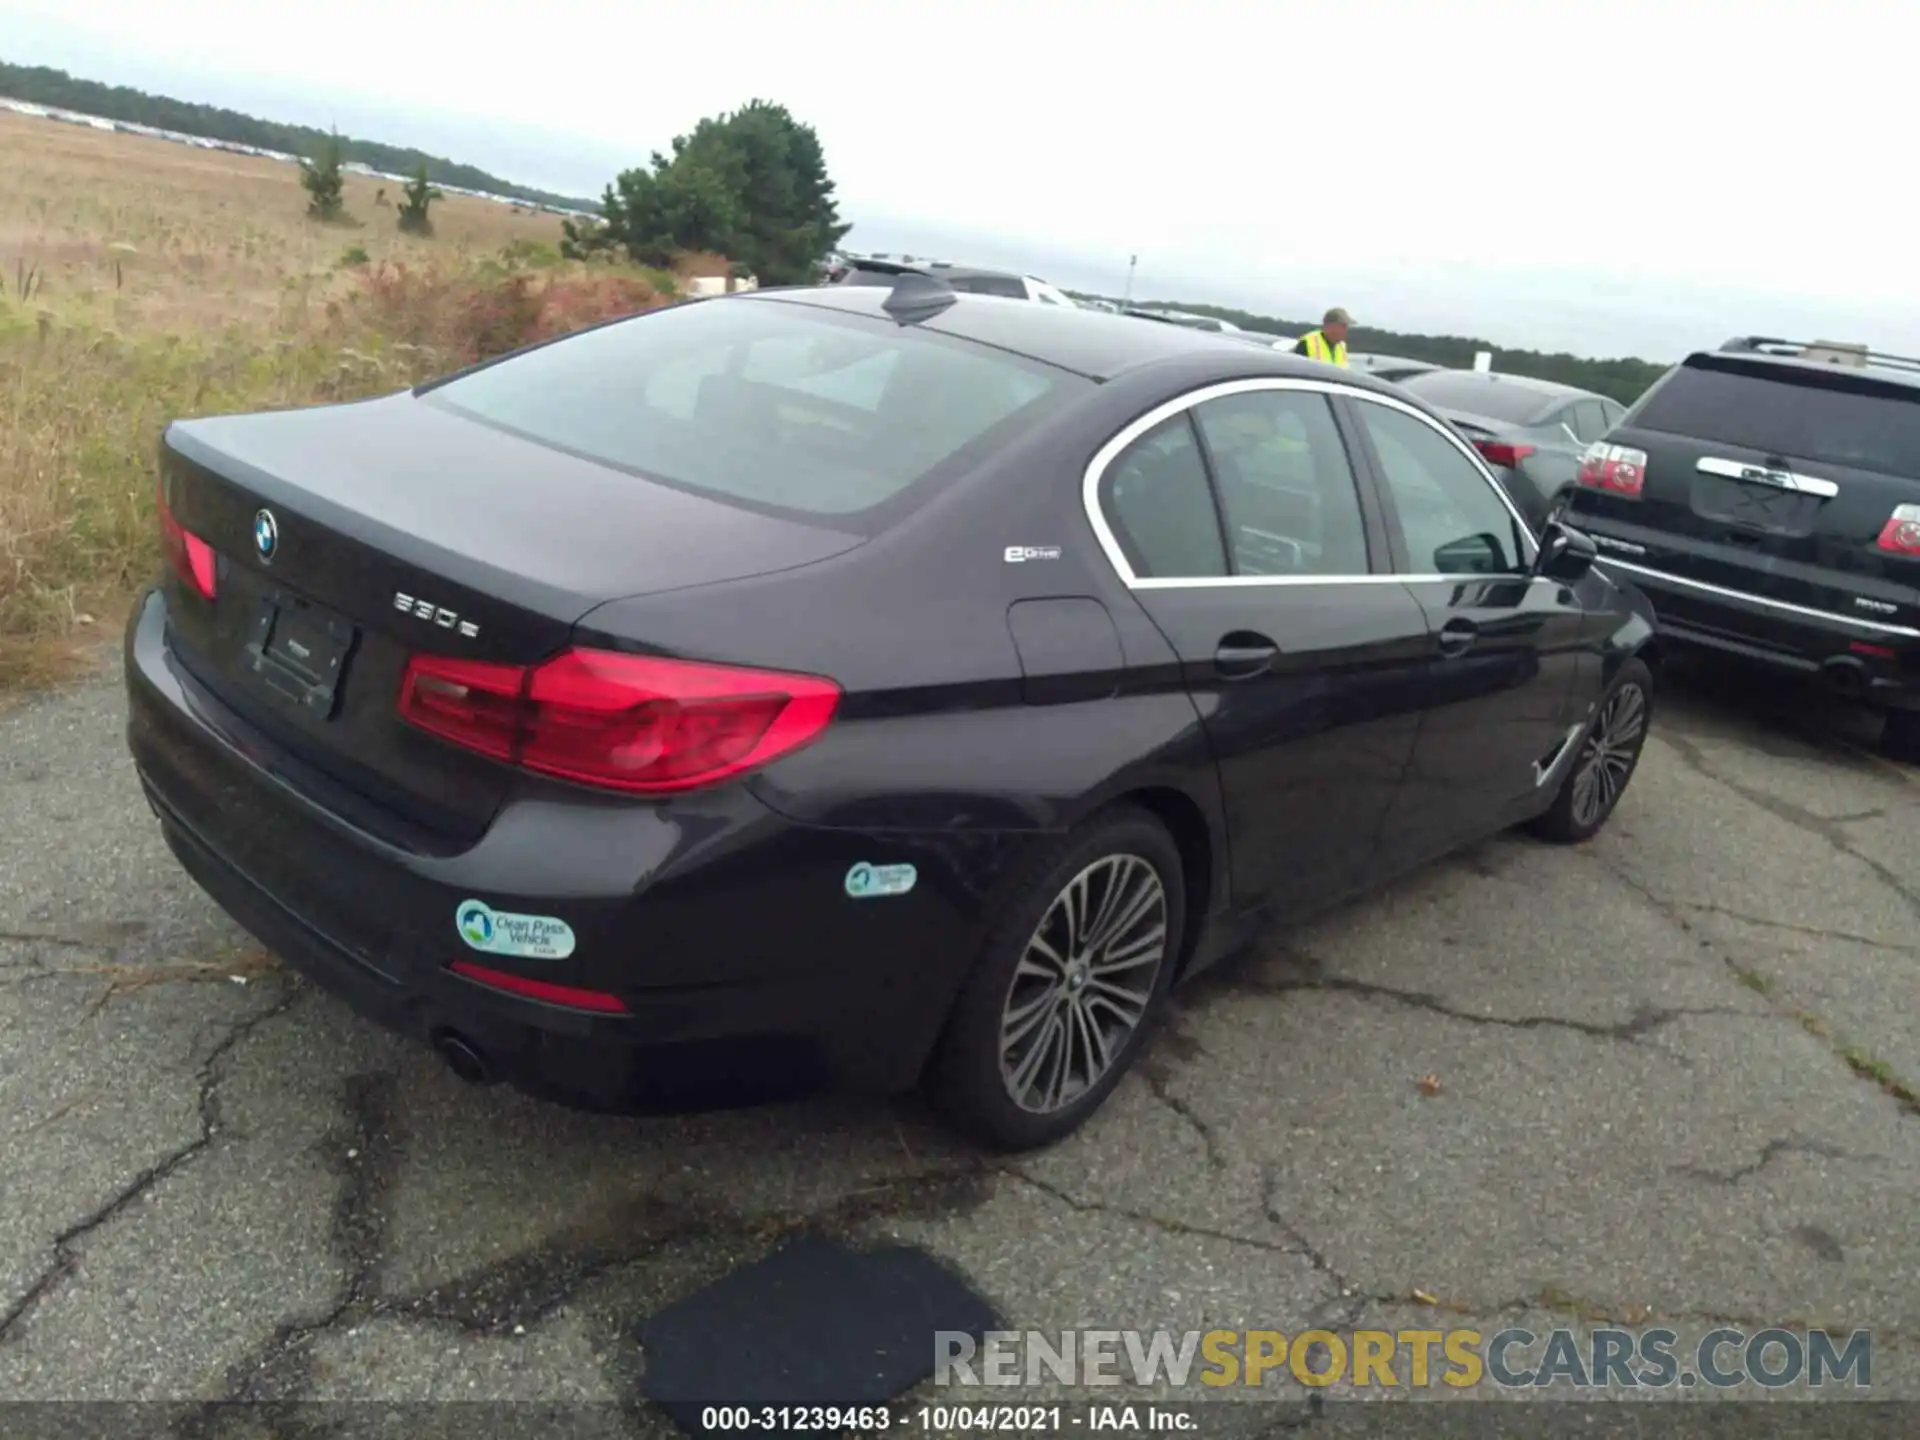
[939, 728]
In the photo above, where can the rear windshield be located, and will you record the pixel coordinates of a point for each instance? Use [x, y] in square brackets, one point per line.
[1793, 416]
[1451, 390]
[782, 406]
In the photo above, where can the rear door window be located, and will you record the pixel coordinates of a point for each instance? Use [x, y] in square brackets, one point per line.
[784, 406]
[1160, 507]
[1286, 485]
[1795, 415]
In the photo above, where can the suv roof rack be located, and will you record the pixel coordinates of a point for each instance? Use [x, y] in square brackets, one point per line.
[1820, 352]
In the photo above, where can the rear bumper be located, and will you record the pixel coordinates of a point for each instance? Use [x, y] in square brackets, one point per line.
[724, 929]
[1881, 658]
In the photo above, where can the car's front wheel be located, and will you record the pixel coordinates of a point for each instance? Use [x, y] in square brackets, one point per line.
[1604, 764]
[1057, 1006]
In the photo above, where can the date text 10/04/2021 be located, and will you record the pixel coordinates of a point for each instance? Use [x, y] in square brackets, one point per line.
[949, 1419]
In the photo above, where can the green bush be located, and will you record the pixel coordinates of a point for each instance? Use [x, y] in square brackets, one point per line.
[415, 200]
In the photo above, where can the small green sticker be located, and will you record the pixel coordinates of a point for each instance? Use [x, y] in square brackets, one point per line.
[497, 932]
[868, 882]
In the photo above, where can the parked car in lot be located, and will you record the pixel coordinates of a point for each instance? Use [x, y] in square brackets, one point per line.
[1532, 432]
[1008, 283]
[1266, 340]
[1389, 367]
[1002, 282]
[1766, 498]
[1184, 318]
[902, 681]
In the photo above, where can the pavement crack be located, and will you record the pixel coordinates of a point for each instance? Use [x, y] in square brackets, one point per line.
[368, 1148]
[1769, 1152]
[66, 1256]
[1862, 1065]
[1166, 1224]
[1270, 1207]
[1822, 827]
[97, 935]
[1817, 932]
[1160, 1084]
[521, 1290]
[1644, 1021]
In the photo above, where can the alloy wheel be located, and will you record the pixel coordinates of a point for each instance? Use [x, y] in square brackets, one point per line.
[1607, 757]
[1083, 984]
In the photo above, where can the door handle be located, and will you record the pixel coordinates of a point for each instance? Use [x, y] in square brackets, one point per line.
[1243, 655]
[1458, 636]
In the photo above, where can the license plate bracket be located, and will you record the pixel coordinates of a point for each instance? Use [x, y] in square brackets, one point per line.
[1756, 508]
[298, 651]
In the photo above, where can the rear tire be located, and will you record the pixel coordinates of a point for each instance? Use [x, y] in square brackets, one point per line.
[1604, 763]
[1065, 987]
[1900, 737]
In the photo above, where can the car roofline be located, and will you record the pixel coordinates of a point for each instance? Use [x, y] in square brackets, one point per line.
[835, 299]
[1886, 372]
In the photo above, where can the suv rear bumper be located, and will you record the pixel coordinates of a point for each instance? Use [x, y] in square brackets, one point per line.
[1878, 660]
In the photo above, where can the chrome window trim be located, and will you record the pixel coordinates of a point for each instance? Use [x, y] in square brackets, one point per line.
[1767, 475]
[1166, 410]
[1879, 627]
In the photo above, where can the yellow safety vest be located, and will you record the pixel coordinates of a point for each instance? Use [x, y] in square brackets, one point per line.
[1319, 349]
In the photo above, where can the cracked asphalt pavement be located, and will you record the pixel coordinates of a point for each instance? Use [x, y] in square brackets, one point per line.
[1664, 1078]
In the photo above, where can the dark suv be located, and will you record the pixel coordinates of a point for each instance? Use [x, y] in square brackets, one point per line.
[1766, 498]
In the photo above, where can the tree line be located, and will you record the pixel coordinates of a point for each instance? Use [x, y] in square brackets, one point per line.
[40, 85]
[1623, 379]
[750, 185]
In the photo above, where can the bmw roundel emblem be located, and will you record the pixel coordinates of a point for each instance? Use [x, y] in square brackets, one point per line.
[266, 534]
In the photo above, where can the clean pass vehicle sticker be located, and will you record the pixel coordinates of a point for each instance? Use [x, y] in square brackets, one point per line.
[865, 881]
[534, 937]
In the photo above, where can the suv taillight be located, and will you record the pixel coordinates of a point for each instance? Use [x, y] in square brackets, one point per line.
[1902, 535]
[1617, 469]
[634, 723]
[189, 555]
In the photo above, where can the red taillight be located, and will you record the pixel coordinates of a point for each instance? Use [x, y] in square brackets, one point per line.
[635, 723]
[1498, 452]
[1902, 534]
[572, 996]
[189, 555]
[470, 702]
[1878, 652]
[1617, 469]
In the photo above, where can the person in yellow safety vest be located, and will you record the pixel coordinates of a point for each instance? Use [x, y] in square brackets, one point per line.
[1328, 344]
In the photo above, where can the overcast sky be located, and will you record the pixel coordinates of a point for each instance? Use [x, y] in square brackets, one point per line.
[1606, 176]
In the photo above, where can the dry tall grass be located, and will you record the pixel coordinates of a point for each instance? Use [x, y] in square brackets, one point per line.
[142, 280]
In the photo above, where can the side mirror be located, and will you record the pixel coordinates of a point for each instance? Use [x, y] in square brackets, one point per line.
[1565, 553]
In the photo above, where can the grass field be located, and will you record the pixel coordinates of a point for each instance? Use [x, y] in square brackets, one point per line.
[142, 280]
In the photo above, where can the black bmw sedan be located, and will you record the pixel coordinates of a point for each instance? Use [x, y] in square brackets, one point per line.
[906, 684]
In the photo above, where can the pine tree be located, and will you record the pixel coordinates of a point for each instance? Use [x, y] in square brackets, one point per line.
[324, 181]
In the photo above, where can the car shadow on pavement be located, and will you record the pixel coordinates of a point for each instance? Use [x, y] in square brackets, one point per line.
[1785, 718]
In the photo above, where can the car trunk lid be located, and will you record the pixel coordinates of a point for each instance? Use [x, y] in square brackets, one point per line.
[352, 537]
